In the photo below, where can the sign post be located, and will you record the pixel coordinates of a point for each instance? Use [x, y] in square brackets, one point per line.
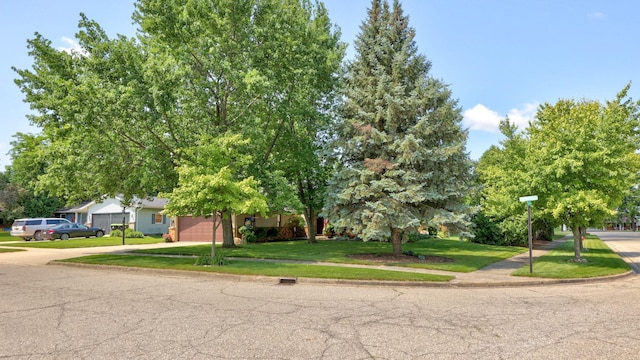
[528, 200]
[123, 220]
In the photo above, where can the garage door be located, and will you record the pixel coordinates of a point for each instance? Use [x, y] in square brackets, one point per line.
[104, 221]
[192, 228]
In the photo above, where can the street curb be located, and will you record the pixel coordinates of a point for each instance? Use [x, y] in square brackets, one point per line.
[542, 281]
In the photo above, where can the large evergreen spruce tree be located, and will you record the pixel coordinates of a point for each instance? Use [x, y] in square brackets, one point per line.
[402, 149]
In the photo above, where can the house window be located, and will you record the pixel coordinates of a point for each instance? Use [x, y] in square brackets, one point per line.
[158, 218]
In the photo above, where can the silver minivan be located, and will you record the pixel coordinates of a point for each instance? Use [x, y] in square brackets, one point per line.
[33, 228]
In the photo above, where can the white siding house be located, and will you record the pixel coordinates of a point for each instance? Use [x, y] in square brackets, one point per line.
[144, 215]
[148, 217]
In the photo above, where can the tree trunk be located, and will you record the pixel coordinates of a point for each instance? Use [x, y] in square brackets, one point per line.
[213, 240]
[310, 218]
[396, 241]
[227, 231]
[577, 233]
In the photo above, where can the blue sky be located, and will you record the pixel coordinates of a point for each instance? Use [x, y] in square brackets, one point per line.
[500, 57]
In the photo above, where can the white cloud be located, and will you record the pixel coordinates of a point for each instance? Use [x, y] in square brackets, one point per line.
[481, 118]
[484, 119]
[523, 115]
[72, 48]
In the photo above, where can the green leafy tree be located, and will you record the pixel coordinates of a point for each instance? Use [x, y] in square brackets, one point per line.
[584, 160]
[502, 172]
[10, 205]
[97, 117]
[209, 183]
[124, 109]
[29, 161]
[306, 81]
[402, 148]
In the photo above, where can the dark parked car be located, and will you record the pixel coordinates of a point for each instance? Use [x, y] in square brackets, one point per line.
[66, 231]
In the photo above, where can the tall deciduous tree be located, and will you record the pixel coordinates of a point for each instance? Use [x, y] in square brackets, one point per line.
[583, 159]
[404, 162]
[123, 109]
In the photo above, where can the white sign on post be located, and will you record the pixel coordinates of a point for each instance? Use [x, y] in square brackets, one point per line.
[529, 198]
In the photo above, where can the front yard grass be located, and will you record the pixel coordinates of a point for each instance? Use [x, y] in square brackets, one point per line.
[558, 264]
[84, 242]
[465, 256]
[6, 236]
[238, 267]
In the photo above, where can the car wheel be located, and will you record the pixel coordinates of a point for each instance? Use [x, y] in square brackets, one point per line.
[27, 239]
[99, 234]
[37, 235]
[64, 236]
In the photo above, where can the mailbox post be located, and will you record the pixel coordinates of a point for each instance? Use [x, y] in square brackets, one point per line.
[529, 200]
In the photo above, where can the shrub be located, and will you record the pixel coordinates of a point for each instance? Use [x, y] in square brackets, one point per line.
[486, 231]
[511, 231]
[285, 233]
[248, 234]
[260, 233]
[264, 234]
[207, 260]
[296, 224]
[128, 233]
[329, 231]
[295, 221]
[272, 232]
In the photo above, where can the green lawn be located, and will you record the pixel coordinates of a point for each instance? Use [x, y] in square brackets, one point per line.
[466, 256]
[259, 268]
[5, 236]
[557, 264]
[83, 242]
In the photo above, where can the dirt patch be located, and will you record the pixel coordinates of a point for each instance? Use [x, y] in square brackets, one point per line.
[389, 258]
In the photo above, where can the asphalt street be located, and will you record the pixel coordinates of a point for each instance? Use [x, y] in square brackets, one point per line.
[58, 312]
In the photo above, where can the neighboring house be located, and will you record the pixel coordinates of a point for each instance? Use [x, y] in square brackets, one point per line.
[149, 218]
[75, 214]
[191, 228]
[144, 215]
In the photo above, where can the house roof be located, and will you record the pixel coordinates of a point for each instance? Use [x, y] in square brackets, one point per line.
[155, 203]
[83, 206]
